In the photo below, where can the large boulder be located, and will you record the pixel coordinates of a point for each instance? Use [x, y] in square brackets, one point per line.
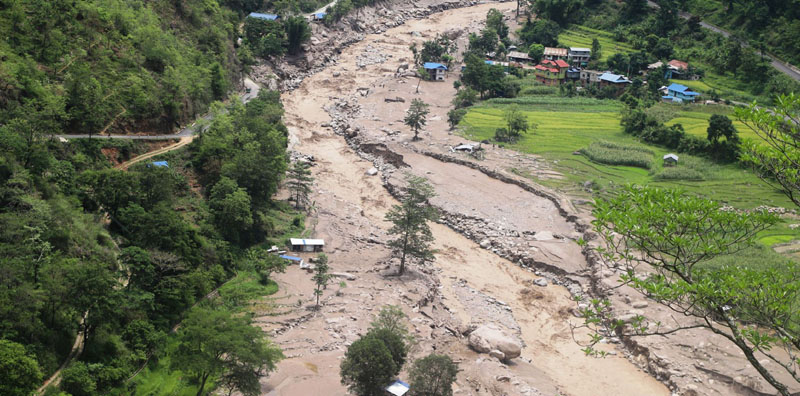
[489, 337]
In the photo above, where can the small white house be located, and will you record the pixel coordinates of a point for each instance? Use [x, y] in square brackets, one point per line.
[436, 71]
[670, 159]
[306, 245]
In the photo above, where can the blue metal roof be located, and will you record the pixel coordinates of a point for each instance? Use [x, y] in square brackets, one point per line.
[677, 87]
[432, 65]
[293, 258]
[488, 62]
[269, 17]
[161, 164]
[320, 15]
[614, 78]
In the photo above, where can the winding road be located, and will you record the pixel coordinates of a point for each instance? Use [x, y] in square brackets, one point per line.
[778, 64]
[188, 131]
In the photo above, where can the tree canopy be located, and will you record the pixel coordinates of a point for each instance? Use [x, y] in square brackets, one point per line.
[409, 220]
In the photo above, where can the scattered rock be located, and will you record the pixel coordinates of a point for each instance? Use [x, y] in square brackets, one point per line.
[372, 171]
[488, 337]
[497, 355]
[486, 243]
[543, 236]
[336, 74]
[639, 304]
[395, 99]
[540, 282]
[501, 378]
[345, 275]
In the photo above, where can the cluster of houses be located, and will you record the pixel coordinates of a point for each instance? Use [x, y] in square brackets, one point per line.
[273, 17]
[560, 65]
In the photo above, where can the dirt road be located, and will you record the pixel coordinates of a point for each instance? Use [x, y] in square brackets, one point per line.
[466, 283]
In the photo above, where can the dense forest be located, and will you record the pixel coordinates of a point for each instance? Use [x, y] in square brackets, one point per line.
[770, 25]
[116, 256]
[128, 251]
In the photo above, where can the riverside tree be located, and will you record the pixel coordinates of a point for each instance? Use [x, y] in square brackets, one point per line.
[433, 375]
[297, 32]
[410, 222]
[663, 239]
[299, 182]
[213, 343]
[321, 276]
[417, 116]
[516, 125]
[372, 361]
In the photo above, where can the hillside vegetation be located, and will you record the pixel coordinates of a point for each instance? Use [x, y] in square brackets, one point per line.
[88, 66]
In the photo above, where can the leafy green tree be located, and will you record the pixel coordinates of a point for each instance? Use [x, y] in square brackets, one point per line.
[77, 381]
[494, 20]
[265, 263]
[719, 127]
[662, 238]
[779, 160]
[230, 208]
[410, 222]
[19, 372]
[416, 116]
[212, 342]
[434, 50]
[540, 31]
[394, 342]
[392, 318]
[297, 32]
[266, 38]
[465, 97]
[559, 11]
[433, 375]
[321, 276]
[536, 51]
[516, 125]
[455, 116]
[475, 74]
[595, 49]
[368, 367]
[298, 181]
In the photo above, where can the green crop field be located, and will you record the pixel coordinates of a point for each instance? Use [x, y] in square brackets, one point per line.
[581, 36]
[567, 125]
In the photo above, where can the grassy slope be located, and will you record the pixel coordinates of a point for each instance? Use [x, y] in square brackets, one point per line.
[560, 133]
[581, 36]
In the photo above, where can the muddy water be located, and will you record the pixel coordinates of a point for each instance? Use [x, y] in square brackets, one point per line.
[350, 202]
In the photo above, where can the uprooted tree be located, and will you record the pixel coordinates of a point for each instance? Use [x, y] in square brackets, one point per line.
[662, 241]
[410, 222]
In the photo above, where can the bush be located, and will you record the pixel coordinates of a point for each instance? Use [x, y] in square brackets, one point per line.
[616, 154]
[679, 173]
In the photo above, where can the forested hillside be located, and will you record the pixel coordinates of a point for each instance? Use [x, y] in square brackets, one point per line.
[772, 25]
[116, 257]
[90, 65]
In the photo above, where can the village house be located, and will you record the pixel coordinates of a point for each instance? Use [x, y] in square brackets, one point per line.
[551, 72]
[519, 57]
[573, 73]
[590, 76]
[607, 78]
[677, 93]
[670, 159]
[267, 17]
[436, 71]
[551, 53]
[579, 56]
[306, 245]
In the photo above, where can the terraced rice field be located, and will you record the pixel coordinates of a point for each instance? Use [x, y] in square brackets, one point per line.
[581, 36]
[566, 125]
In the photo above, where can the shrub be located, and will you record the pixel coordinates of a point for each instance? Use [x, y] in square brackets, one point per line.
[679, 173]
[616, 154]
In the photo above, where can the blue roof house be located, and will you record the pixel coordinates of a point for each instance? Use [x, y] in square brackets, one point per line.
[678, 93]
[268, 17]
[436, 71]
[611, 78]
